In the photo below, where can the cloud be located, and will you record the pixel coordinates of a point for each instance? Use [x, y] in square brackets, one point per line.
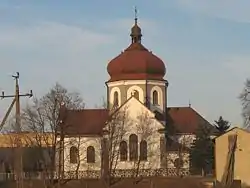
[74, 55]
[47, 52]
[48, 34]
[226, 9]
[77, 56]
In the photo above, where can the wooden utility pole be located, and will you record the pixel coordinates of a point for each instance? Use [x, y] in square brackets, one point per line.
[18, 150]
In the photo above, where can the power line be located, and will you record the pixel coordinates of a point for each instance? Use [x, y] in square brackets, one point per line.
[18, 166]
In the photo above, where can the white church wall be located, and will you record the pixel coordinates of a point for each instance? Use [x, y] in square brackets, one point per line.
[133, 88]
[135, 82]
[153, 154]
[141, 121]
[172, 156]
[111, 95]
[82, 143]
[161, 101]
[186, 139]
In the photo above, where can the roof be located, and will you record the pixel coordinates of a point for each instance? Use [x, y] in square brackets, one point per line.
[186, 119]
[85, 121]
[233, 129]
[136, 62]
[92, 121]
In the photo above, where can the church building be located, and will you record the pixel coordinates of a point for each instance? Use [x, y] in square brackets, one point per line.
[128, 138]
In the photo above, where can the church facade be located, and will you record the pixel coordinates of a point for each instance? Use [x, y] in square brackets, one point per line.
[128, 138]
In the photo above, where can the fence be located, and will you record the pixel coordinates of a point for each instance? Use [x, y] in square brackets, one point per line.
[91, 174]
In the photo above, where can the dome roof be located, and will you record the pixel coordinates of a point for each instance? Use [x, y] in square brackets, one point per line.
[136, 62]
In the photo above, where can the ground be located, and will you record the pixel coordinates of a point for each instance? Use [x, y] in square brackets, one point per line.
[194, 182]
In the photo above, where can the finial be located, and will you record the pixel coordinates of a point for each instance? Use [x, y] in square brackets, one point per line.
[189, 103]
[136, 30]
[136, 15]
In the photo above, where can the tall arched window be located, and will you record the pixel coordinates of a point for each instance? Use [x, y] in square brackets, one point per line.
[133, 147]
[123, 151]
[90, 154]
[155, 98]
[73, 154]
[136, 94]
[143, 150]
[116, 100]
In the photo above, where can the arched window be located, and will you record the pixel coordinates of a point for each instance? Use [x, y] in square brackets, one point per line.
[73, 154]
[155, 98]
[90, 154]
[136, 94]
[116, 100]
[133, 147]
[143, 150]
[123, 151]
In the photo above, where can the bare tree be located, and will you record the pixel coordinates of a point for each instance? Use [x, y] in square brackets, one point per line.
[42, 119]
[182, 160]
[103, 104]
[245, 101]
[122, 159]
[148, 144]
[113, 134]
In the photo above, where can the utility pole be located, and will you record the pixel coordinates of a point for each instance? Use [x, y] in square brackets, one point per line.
[18, 150]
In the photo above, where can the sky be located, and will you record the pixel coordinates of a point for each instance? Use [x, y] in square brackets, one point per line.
[205, 46]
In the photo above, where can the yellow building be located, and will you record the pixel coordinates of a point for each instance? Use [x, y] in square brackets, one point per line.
[28, 139]
[238, 153]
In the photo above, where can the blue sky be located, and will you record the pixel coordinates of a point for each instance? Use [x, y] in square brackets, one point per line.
[204, 44]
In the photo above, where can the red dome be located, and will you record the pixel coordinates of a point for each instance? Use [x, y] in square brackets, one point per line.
[136, 63]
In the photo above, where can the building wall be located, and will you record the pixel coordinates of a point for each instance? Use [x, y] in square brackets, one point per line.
[242, 155]
[138, 120]
[185, 139]
[82, 143]
[172, 156]
[126, 87]
[27, 139]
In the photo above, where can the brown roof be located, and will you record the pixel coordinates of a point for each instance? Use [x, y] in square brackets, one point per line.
[136, 62]
[86, 121]
[185, 119]
[91, 121]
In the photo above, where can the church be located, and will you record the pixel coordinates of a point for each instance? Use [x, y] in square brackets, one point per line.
[129, 136]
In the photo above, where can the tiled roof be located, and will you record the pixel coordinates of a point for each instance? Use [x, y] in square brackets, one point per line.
[91, 121]
[136, 62]
[185, 119]
[86, 121]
